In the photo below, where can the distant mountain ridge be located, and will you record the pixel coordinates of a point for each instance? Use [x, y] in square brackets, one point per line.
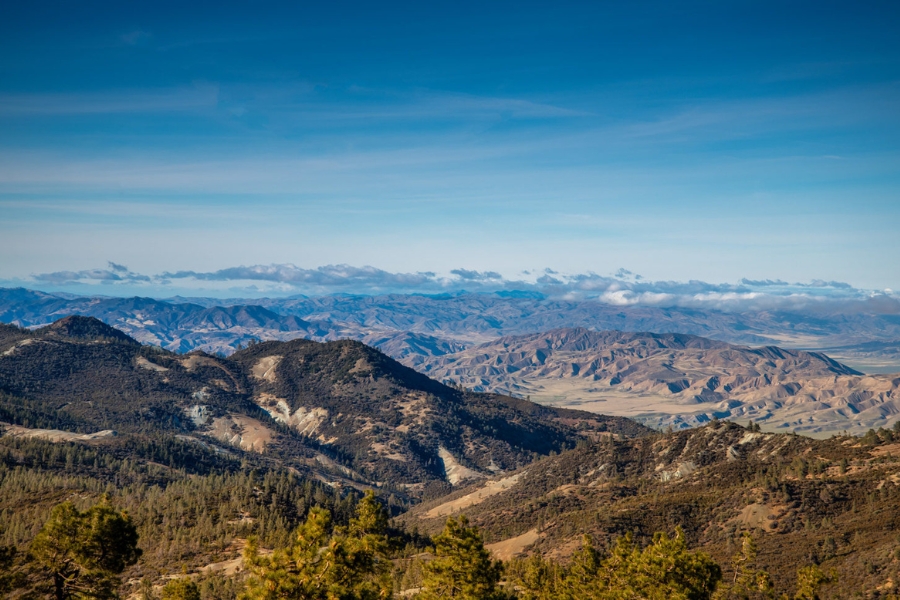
[611, 356]
[675, 379]
[421, 331]
[179, 327]
[439, 323]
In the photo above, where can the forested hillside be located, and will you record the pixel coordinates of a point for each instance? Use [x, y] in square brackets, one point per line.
[340, 408]
[192, 507]
[833, 503]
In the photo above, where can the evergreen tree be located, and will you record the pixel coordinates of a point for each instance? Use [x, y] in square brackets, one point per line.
[325, 563]
[663, 570]
[462, 567]
[146, 589]
[539, 579]
[581, 579]
[747, 581]
[79, 554]
[181, 589]
[810, 581]
[9, 579]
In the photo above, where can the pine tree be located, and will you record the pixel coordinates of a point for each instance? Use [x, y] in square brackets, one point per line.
[663, 570]
[146, 591]
[747, 581]
[9, 578]
[462, 567]
[181, 589]
[539, 579]
[325, 563]
[581, 579]
[810, 581]
[79, 554]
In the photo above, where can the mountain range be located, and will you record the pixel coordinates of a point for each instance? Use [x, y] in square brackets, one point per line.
[675, 379]
[660, 378]
[419, 325]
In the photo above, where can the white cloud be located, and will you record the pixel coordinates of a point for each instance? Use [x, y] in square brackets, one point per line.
[283, 279]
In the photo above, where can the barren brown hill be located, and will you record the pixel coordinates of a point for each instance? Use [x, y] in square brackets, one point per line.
[411, 348]
[675, 379]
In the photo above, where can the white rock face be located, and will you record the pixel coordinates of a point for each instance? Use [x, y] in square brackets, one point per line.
[150, 366]
[305, 420]
[15, 346]
[685, 468]
[454, 471]
[199, 414]
[241, 431]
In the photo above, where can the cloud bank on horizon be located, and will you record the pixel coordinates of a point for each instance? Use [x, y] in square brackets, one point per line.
[622, 288]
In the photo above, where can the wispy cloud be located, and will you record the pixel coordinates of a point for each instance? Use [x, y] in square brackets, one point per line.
[624, 288]
[815, 283]
[136, 37]
[330, 277]
[408, 142]
[296, 104]
[114, 273]
[121, 101]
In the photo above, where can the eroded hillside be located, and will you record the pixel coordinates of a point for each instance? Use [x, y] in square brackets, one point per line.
[675, 379]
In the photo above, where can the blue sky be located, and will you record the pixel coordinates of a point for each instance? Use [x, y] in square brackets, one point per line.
[683, 141]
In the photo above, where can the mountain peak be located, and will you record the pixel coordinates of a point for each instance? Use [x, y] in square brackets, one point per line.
[84, 328]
